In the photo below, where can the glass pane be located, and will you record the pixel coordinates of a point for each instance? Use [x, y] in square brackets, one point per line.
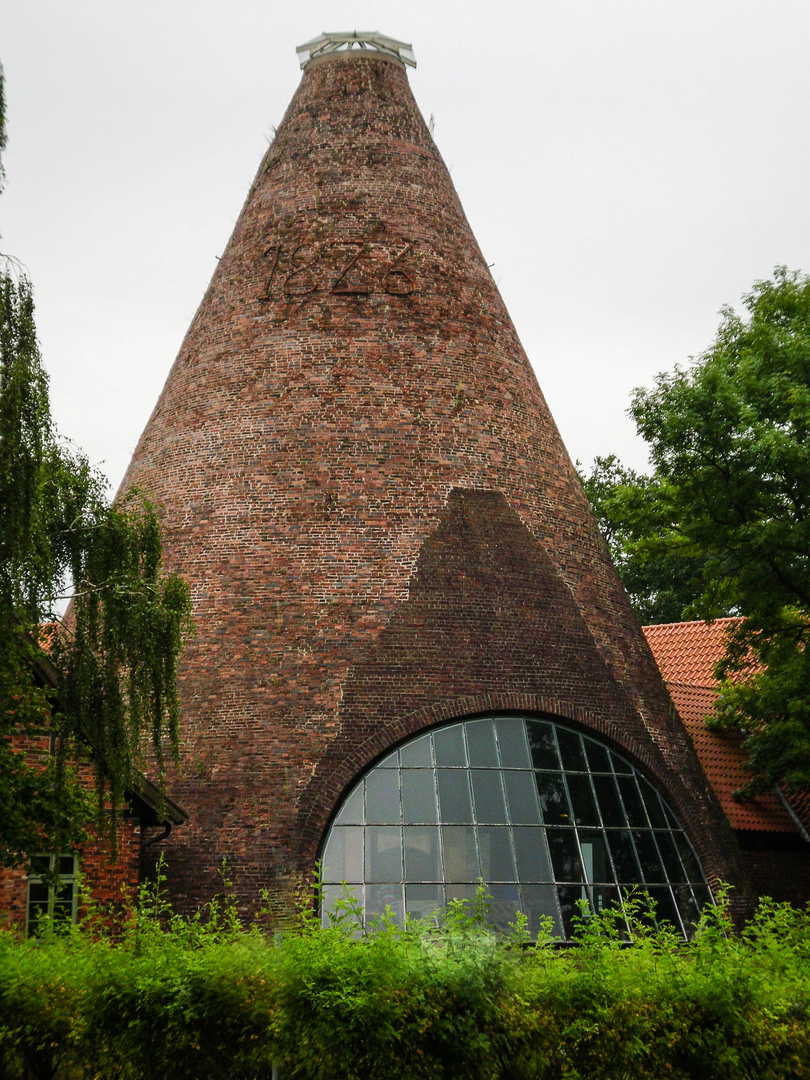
[63, 904]
[422, 861]
[423, 901]
[571, 899]
[542, 910]
[504, 904]
[703, 895]
[674, 824]
[562, 844]
[38, 894]
[653, 804]
[390, 762]
[648, 856]
[382, 797]
[454, 796]
[383, 853]
[571, 750]
[481, 743]
[690, 863]
[598, 757]
[669, 854]
[542, 745]
[624, 857]
[594, 857]
[66, 866]
[512, 742]
[521, 793]
[579, 788]
[449, 745]
[665, 910]
[532, 855]
[40, 864]
[385, 899]
[620, 765]
[342, 904]
[497, 861]
[460, 858]
[416, 754]
[343, 858]
[608, 796]
[604, 897]
[632, 802]
[490, 807]
[418, 796]
[467, 891]
[351, 813]
[553, 801]
[687, 908]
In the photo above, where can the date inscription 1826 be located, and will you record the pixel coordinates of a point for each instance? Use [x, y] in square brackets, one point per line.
[375, 263]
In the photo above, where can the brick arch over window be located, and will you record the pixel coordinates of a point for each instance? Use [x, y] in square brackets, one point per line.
[489, 625]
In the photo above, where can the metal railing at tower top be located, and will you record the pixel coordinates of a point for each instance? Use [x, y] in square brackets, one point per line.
[328, 44]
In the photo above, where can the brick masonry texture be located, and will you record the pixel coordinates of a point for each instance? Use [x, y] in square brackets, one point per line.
[110, 880]
[358, 474]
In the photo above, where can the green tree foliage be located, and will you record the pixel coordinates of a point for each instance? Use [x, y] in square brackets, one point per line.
[114, 658]
[200, 997]
[637, 516]
[728, 504]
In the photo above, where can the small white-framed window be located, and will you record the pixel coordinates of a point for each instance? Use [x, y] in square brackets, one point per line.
[53, 891]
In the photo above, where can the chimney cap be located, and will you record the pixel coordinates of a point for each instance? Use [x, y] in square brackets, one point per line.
[328, 44]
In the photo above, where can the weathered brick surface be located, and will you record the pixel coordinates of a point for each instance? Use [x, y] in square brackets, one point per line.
[359, 475]
[109, 880]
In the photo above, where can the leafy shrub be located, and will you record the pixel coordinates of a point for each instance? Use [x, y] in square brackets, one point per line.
[204, 997]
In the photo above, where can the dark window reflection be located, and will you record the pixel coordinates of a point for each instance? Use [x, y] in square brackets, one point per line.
[542, 745]
[653, 804]
[624, 858]
[632, 802]
[608, 795]
[562, 844]
[553, 801]
[573, 759]
[648, 857]
[579, 788]
[598, 757]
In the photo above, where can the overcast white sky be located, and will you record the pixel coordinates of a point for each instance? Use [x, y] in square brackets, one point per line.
[629, 166]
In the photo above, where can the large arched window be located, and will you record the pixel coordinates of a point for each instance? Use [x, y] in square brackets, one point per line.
[544, 815]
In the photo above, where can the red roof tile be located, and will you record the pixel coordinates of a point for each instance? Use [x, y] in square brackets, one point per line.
[686, 654]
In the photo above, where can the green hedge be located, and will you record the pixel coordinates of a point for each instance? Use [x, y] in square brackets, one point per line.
[175, 999]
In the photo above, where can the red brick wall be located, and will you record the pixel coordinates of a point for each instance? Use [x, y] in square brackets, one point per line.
[109, 880]
[778, 865]
[352, 373]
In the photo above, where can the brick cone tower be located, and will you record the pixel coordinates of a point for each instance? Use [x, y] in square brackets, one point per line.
[359, 476]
